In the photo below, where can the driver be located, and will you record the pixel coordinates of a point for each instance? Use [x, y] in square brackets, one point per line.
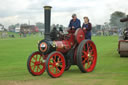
[74, 23]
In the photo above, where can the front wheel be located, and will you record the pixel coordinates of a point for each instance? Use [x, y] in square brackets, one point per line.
[86, 56]
[36, 64]
[55, 64]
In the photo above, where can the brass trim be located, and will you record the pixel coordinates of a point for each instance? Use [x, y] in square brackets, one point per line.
[47, 7]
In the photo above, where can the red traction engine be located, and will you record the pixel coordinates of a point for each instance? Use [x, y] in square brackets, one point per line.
[56, 56]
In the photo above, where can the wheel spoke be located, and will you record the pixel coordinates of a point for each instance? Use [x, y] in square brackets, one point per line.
[83, 56]
[85, 59]
[32, 62]
[51, 63]
[88, 47]
[34, 67]
[93, 55]
[58, 60]
[88, 64]
[85, 53]
[58, 69]
[61, 66]
[37, 69]
[39, 58]
[52, 70]
[42, 64]
[52, 67]
[92, 51]
[34, 58]
[83, 62]
[91, 59]
[55, 58]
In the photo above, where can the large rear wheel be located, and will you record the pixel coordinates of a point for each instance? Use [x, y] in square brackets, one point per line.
[55, 64]
[86, 56]
[36, 63]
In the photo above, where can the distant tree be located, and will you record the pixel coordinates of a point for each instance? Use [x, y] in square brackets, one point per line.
[106, 25]
[12, 26]
[115, 19]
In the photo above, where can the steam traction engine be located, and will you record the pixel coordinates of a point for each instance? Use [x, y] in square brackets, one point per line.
[56, 56]
[123, 40]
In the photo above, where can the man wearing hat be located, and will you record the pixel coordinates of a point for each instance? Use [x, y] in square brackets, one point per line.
[74, 23]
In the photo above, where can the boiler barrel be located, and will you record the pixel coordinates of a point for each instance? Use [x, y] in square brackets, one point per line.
[47, 21]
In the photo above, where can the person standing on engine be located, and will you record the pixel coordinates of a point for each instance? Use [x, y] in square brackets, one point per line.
[87, 27]
[74, 23]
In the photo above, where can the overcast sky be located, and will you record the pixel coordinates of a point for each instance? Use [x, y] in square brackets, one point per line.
[20, 11]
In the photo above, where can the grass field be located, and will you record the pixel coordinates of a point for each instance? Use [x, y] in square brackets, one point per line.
[110, 68]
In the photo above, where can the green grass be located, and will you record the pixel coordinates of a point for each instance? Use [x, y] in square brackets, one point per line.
[110, 68]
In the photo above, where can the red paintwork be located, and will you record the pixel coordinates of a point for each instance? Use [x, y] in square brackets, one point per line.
[66, 44]
[56, 64]
[73, 36]
[70, 41]
[79, 35]
[87, 63]
[37, 67]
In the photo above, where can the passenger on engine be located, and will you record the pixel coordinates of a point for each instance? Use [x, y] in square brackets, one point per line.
[87, 27]
[74, 23]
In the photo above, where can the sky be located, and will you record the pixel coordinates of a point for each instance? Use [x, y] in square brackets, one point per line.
[22, 11]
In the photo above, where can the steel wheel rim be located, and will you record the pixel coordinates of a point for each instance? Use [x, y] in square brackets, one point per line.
[89, 56]
[36, 64]
[56, 65]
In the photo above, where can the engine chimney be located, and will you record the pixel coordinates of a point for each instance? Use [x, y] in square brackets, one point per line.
[47, 21]
[124, 19]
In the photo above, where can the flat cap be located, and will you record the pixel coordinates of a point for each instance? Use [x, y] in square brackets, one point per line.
[73, 15]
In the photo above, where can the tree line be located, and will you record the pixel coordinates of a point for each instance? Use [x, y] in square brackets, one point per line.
[114, 22]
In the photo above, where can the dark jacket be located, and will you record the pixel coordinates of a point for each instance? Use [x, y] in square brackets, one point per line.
[88, 30]
[87, 26]
[76, 24]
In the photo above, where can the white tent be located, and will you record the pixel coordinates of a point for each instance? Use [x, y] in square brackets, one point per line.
[17, 29]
